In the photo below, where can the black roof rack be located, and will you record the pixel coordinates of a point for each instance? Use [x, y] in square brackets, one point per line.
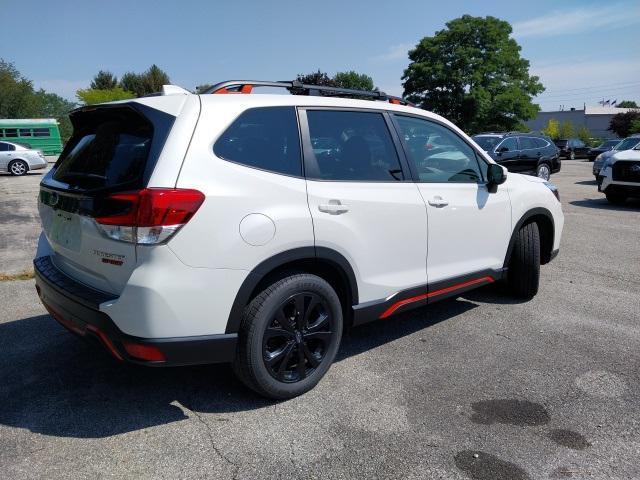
[299, 88]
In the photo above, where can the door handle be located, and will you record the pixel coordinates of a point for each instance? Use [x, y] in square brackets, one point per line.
[334, 207]
[438, 201]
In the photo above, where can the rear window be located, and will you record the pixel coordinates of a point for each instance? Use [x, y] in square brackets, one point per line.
[109, 149]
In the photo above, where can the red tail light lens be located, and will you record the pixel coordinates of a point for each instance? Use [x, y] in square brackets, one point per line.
[150, 215]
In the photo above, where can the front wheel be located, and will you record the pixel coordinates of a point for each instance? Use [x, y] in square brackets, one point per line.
[289, 336]
[543, 171]
[18, 168]
[523, 276]
[616, 198]
[572, 155]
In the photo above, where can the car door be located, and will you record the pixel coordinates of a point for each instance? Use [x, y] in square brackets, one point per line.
[6, 153]
[363, 202]
[530, 153]
[469, 226]
[507, 154]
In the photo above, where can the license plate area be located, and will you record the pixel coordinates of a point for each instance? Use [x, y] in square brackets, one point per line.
[65, 230]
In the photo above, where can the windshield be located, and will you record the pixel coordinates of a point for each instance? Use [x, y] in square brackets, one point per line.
[609, 144]
[487, 142]
[628, 143]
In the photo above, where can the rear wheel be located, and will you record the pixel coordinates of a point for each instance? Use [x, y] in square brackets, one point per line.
[289, 336]
[616, 198]
[523, 276]
[18, 167]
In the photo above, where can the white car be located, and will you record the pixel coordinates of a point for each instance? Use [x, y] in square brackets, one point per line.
[182, 229]
[619, 178]
[17, 159]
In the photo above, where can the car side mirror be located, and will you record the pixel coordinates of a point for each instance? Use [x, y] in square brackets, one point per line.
[495, 176]
[501, 150]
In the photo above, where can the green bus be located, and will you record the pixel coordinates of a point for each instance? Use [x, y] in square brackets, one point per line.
[37, 133]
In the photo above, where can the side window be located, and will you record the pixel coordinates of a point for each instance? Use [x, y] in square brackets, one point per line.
[25, 132]
[527, 143]
[510, 143]
[10, 132]
[3, 147]
[579, 144]
[540, 142]
[353, 146]
[265, 138]
[41, 132]
[438, 154]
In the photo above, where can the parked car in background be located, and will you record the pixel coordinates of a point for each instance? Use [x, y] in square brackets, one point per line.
[572, 148]
[18, 159]
[519, 152]
[603, 147]
[619, 178]
[627, 144]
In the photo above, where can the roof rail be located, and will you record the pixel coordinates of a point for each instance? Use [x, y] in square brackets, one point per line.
[299, 88]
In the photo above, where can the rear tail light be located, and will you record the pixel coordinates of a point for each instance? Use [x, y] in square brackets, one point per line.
[148, 216]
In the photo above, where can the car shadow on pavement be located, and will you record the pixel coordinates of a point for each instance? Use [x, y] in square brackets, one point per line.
[603, 204]
[55, 384]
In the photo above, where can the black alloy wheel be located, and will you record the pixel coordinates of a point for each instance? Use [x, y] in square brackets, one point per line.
[298, 337]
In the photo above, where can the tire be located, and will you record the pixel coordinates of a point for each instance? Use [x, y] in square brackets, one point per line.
[544, 171]
[523, 276]
[18, 168]
[616, 198]
[269, 354]
[572, 155]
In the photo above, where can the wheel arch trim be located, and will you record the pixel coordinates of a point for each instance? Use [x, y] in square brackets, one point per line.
[528, 215]
[316, 254]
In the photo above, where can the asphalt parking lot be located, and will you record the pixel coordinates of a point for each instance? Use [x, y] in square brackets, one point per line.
[477, 387]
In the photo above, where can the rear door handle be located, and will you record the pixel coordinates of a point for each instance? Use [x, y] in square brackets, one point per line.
[438, 201]
[334, 207]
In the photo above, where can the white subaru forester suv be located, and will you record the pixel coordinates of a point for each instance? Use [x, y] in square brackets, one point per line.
[253, 229]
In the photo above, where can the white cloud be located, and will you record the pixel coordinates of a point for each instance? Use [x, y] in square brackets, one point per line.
[64, 88]
[577, 20]
[396, 52]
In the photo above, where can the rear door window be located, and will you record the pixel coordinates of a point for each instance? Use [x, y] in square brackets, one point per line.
[352, 146]
[266, 138]
[510, 143]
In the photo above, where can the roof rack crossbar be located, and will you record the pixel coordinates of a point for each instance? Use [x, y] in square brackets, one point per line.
[236, 86]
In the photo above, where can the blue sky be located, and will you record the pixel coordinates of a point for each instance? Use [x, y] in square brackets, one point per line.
[583, 51]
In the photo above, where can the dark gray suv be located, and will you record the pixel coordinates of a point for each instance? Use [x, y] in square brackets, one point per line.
[528, 153]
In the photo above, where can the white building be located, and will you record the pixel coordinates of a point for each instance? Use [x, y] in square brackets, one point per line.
[596, 119]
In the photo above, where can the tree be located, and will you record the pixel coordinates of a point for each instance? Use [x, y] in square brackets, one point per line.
[90, 96]
[552, 129]
[19, 100]
[622, 123]
[317, 78]
[354, 80]
[203, 88]
[472, 73]
[566, 130]
[627, 104]
[634, 127]
[153, 79]
[584, 134]
[104, 81]
[133, 82]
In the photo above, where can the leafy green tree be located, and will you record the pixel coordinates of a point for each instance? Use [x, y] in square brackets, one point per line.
[203, 88]
[627, 104]
[472, 73]
[132, 82]
[16, 93]
[90, 96]
[552, 129]
[317, 78]
[622, 124]
[566, 130]
[51, 105]
[634, 127]
[584, 134]
[153, 79]
[354, 80]
[104, 81]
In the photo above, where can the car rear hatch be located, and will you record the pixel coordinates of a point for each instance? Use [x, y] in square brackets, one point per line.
[91, 201]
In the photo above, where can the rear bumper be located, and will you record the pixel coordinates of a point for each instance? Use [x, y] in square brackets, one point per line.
[76, 307]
